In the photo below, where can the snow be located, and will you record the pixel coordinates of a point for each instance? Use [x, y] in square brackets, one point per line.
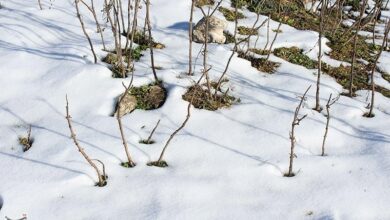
[384, 62]
[226, 164]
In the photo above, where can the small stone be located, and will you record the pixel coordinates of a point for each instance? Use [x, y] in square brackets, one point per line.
[127, 105]
[159, 46]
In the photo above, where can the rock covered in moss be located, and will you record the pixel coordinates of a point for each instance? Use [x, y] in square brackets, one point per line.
[149, 97]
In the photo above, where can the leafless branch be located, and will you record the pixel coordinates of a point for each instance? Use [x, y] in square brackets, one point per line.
[151, 134]
[130, 162]
[84, 31]
[101, 178]
[328, 105]
[294, 123]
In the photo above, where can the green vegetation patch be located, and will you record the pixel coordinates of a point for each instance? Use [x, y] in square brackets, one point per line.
[150, 96]
[200, 3]
[295, 55]
[262, 64]
[293, 13]
[25, 142]
[230, 15]
[386, 77]
[160, 164]
[246, 30]
[341, 73]
[229, 37]
[201, 98]
[259, 51]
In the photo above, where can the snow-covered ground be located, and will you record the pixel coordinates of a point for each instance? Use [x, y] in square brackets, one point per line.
[226, 164]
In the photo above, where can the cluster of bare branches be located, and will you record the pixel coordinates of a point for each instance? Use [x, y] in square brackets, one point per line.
[296, 121]
[115, 18]
[120, 29]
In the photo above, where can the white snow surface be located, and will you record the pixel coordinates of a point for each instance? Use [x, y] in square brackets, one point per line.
[227, 164]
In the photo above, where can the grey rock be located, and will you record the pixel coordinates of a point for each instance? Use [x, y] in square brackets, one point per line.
[127, 105]
[215, 33]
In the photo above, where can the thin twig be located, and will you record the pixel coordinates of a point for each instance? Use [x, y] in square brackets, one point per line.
[84, 31]
[151, 134]
[101, 178]
[328, 105]
[130, 162]
[294, 123]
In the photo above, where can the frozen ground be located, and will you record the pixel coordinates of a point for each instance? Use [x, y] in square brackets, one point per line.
[226, 164]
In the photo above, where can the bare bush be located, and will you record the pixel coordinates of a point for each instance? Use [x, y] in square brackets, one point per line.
[102, 177]
[328, 105]
[130, 163]
[84, 31]
[294, 123]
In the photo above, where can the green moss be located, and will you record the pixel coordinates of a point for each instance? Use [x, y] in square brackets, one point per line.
[110, 58]
[202, 100]
[246, 30]
[259, 51]
[385, 92]
[116, 68]
[200, 3]
[240, 3]
[295, 55]
[160, 164]
[119, 70]
[142, 39]
[386, 77]
[293, 13]
[342, 48]
[150, 96]
[341, 73]
[137, 52]
[229, 37]
[104, 181]
[342, 76]
[277, 31]
[25, 142]
[261, 64]
[128, 165]
[355, 4]
[230, 15]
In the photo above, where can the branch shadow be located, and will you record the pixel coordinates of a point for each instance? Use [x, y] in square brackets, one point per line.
[45, 164]
[44, 48]
[59, 133]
